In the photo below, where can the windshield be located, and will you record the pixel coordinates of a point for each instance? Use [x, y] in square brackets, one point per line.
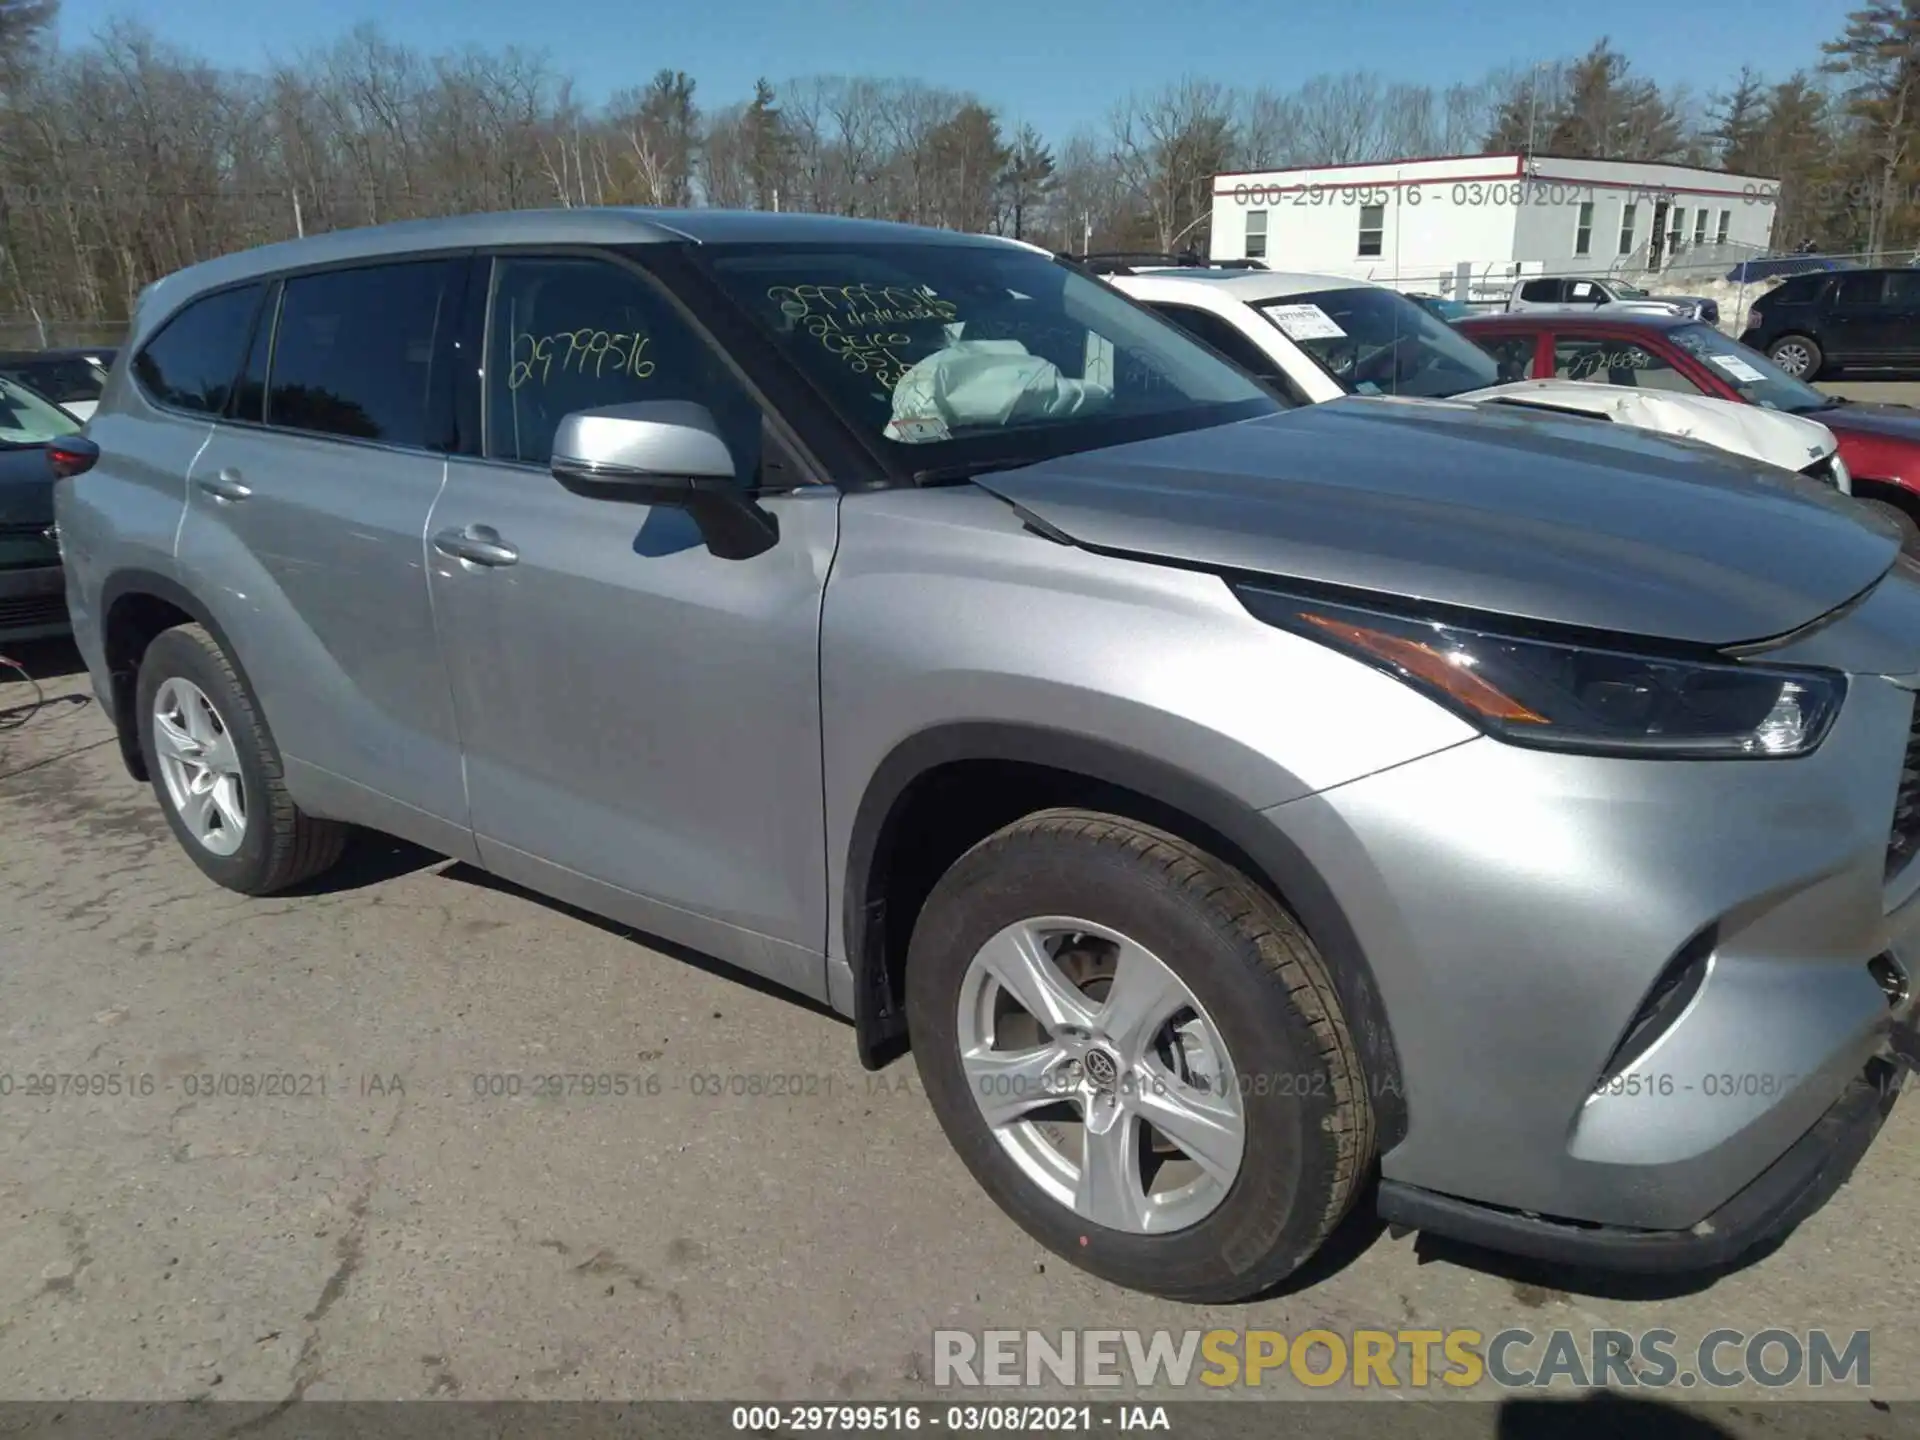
[1375, 341]
[1758, 379]
[26, 419]
[63, 379]
[971, 355]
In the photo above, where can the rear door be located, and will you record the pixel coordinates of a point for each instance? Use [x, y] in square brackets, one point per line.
[1858, 326]
[304, 531]
[640, 718]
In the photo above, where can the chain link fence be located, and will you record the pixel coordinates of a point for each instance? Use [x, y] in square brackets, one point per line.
[30, 333]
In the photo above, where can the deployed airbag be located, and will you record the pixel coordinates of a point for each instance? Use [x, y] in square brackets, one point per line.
[972, 383]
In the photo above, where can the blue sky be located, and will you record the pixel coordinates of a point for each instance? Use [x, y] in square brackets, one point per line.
[1056, 63]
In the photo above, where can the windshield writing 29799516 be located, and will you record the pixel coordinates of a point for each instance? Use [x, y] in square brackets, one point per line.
[588, 351]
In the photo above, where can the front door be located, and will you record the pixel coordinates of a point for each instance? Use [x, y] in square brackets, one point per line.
[640, 719]
[306, 518]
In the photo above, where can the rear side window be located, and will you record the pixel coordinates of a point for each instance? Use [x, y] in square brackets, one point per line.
[1859, 289]
[354, 349]
[1513, 354]
[191, 363]
[1540, 291]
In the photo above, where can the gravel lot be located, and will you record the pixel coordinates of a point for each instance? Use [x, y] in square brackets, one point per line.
[405, 1235]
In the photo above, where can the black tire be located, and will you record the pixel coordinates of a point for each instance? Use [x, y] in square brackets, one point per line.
[1816, 360]
[1308, 1151]
[281, 845]
[1896, 516]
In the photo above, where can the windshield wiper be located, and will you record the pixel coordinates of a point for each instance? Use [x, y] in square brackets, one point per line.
[965, 470]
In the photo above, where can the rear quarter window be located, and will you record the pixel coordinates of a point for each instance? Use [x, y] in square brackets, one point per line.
[192, 361]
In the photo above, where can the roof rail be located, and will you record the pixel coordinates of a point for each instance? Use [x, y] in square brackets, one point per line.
[1124, 262]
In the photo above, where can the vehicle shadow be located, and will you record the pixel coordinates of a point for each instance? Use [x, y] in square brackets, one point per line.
[473, 875]
[370, 859]
[1604, 1415]
[53, 659]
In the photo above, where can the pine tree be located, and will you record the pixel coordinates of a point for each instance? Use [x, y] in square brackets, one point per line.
[1028, 179]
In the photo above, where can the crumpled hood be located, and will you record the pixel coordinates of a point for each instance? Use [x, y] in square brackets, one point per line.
[1525, 514]
[1791, 441]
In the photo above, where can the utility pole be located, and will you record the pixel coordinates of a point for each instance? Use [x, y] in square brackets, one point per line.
[1086, 242]
[299, 225]
[776, 199]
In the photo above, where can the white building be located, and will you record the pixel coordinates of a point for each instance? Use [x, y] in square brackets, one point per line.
[1415, 223]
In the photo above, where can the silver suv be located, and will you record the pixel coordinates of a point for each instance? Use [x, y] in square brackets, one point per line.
[1230, 804]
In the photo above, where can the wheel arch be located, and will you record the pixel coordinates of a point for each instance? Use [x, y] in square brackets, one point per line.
[136, 606]
[994, 772]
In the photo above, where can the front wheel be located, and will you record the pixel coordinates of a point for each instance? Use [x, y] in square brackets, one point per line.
[1139, 1055]
[1798, 355]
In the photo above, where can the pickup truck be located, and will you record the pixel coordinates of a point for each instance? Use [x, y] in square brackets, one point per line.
[1606, 297]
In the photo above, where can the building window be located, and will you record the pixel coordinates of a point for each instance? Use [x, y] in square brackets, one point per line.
[1583, 232]
[1726, 219]
[1373, 224]
[1629, 214]
[1677, 236]
[1256, 234]
[1700, 226]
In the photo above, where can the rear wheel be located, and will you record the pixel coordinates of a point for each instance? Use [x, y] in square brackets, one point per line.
[1798, 355]
[217, 772]
[1139, 1056]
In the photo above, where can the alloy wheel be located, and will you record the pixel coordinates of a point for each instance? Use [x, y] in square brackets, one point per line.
[1793, 358]
[199, 766]
[1101, 1075]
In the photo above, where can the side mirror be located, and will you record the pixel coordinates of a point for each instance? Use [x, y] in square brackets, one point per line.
[664, 452]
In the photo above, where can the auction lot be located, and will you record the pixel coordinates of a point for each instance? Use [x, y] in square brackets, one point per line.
[765, 1222]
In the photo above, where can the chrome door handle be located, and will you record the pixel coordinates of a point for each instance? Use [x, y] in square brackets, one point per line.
[226, 486]
[477, 544]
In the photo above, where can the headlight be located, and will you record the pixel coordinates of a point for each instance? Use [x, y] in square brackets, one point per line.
[1552, 695]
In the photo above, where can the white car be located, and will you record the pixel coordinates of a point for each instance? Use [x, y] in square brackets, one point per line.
[1315, 338]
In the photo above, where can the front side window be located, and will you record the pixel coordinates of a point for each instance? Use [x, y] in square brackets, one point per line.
[354, 349]
[1583, 230]
[1227, 338]
[958, 353]
[570, 333]
[190, 364]
[1375, 341]
[1606, 360]
[1373, 226]
[27, 419]
[1256, 234]
[1758, 379]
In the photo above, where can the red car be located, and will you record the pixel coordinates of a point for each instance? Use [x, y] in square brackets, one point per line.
[1879, 443]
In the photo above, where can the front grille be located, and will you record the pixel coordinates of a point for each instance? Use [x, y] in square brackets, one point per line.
[48, 609]
[1905, 839]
